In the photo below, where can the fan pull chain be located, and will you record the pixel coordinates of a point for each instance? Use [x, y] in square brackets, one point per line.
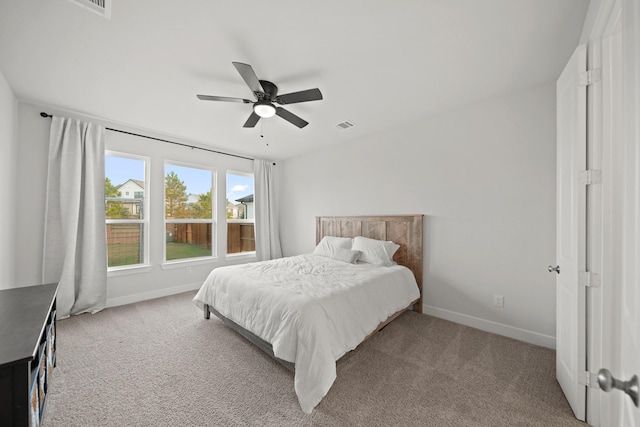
[262, 132]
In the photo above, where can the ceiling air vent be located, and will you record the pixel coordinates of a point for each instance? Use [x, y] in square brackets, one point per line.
[101, 7]
[345, 125]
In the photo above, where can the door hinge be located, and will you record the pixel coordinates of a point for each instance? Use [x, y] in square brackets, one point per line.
[590, 77]
[591, 176]
[589, 379]
[589, 279]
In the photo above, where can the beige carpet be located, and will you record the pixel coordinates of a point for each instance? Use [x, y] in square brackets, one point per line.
[159, 363]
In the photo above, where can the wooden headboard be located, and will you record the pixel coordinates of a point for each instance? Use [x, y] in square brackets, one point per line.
[405, 230]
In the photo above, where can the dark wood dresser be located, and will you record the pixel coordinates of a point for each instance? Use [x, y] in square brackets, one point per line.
[27, 352]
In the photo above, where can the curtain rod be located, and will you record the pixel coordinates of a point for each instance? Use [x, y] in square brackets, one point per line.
[46, 115]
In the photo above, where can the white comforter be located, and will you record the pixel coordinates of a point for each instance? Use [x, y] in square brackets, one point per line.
[312, 309]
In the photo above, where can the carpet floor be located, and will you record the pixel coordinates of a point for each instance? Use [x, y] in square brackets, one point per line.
[160, 363]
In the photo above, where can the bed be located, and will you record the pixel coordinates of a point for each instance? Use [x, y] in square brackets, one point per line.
[309, 310]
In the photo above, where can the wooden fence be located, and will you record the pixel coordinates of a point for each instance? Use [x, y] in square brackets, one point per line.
[194, 234]
[240, 237]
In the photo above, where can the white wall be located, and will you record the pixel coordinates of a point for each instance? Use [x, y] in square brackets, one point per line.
[151, 282]
[593, 19]
[483, 176]
[31, 184]
[8, 142]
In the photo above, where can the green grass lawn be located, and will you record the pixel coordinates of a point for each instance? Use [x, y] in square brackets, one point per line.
[123, 254]
[129, 253]
[186, 250]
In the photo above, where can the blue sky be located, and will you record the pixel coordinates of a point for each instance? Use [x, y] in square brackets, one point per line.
[121, 169]
[238, 186]
[198, 181]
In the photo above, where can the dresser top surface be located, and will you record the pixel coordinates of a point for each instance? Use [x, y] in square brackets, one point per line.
[23, 316]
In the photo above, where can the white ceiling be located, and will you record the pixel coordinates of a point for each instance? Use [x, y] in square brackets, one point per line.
[379, 64]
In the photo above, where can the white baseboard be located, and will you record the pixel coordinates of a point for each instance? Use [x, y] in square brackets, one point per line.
[130, 299]
[493, 327]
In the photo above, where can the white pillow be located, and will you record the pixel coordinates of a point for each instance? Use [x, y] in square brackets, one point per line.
[378, 252]
[330, 244]
[347, 255]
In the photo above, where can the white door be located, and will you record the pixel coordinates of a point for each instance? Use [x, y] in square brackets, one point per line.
[621, 216]
[571, 231]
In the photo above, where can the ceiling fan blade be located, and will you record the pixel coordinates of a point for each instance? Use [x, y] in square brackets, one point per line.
[302, 96]
[249, 76]
[222, 98]
[290, 117]
[251, 121]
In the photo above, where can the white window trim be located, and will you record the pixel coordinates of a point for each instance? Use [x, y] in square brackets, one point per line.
[177, 263]
[187, 262]
[248, 254]
[241, 221]
[241, 255]
[146, 221]
[124, 270]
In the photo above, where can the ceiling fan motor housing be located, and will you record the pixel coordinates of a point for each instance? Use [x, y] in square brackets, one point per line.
[270, 91]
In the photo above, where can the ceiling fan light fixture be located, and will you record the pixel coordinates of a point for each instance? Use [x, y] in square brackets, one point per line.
[266, 94]
[264, 109]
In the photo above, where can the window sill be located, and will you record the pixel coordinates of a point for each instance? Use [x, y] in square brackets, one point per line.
[123, 271]
[240, 256]
[170, 265]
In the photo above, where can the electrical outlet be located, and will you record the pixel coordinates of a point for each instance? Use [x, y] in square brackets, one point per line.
[498, 301]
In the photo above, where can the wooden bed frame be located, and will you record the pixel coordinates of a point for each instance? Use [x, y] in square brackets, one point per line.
[405, 230]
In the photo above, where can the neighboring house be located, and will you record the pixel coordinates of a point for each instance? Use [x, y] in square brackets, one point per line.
[132, 189]
[247, 206]
[233, 211]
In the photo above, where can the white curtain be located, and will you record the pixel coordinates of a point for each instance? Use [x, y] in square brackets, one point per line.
[75, 237]
[266, 221]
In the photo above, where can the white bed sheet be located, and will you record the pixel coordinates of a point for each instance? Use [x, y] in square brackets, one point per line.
[312, 309]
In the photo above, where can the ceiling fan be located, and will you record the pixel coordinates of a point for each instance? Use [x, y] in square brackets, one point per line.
[266, 94]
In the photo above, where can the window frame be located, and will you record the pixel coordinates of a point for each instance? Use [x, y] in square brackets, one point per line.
[145, 221]
[214, 231]
[247, 254]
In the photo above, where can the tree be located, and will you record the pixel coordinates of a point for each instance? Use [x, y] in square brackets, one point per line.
[175, 194]
[114, 208]
[229, 214]
[202, 209]
[110, 190]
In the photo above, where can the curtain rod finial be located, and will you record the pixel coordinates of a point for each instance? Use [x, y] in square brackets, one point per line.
[43, 114]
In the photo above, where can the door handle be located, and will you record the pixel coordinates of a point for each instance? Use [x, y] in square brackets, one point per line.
[551, 269]
[608, 382]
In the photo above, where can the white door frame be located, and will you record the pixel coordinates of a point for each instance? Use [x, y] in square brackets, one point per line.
[599, 303]
[616, 24]
[623, 357]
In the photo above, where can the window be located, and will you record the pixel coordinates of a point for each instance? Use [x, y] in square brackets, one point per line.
[240, 213]
[188, 212]
[126, 219]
